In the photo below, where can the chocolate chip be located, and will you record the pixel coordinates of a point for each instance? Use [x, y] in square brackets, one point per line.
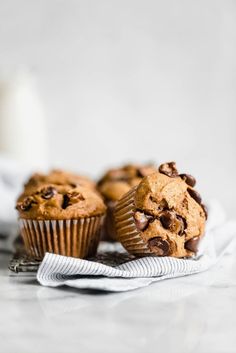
[189, 179]
[26, 204]
[192, 244]
[65, 202]
[142, 220]
[71, 198]
[169, 169]
[167, 219]
[175, 223]
[159, 246]
[73, 185]
[75, 196]
[205, 210]
[181, 225]
[48, 192]
[195, 195]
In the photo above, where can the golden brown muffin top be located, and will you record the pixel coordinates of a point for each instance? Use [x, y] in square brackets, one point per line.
[56, 177]
[50, 201]
[116, 182]
[59, 177]
[169, 211]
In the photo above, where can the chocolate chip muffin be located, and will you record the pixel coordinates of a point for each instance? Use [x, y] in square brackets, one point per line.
[61, 219]
[56, 177]
[162, 216]
[113, 185]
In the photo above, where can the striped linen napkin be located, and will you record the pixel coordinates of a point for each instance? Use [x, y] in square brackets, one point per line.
[56, 270]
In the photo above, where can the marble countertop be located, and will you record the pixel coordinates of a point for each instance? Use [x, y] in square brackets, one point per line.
[178, 315]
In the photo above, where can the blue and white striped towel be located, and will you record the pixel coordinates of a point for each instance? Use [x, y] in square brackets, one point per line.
[56, 270]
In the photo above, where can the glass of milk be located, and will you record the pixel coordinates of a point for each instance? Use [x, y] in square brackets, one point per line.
[23, 136]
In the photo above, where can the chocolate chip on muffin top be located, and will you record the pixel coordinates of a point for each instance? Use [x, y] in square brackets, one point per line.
[60, 202]
[58, 177]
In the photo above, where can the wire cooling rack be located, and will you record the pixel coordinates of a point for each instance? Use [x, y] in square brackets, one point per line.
[111, 254]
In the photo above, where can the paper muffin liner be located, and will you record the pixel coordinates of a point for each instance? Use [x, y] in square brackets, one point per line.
[76, 237]
[127, 232]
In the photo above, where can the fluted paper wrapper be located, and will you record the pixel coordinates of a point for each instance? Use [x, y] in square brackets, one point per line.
[76, 237]
[127, 232]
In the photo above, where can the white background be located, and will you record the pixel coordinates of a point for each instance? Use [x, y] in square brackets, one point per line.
[132, 80]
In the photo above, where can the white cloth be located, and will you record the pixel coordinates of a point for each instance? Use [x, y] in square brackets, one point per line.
[12, 177]
[56, 270]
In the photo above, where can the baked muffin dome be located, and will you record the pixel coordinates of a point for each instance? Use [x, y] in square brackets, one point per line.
[116, 182]
[51, 201]
[58, 177]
